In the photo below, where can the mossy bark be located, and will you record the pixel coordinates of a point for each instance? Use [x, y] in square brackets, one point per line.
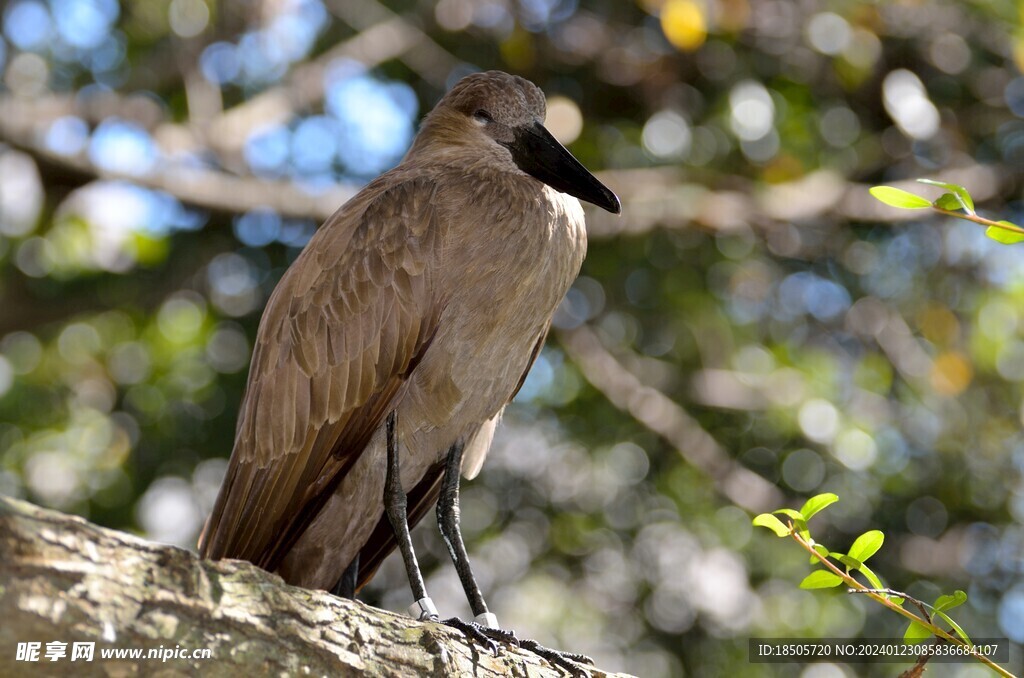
[64, 579]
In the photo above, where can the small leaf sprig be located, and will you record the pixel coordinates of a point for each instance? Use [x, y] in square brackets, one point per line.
[922, 626]
[955, 202]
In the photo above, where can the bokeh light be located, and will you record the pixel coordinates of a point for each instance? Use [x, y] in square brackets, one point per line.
[161, 164]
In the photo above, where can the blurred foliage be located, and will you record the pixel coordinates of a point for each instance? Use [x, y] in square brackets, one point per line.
[881, 361]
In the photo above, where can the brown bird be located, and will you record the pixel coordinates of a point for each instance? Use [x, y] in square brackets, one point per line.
[393, 343]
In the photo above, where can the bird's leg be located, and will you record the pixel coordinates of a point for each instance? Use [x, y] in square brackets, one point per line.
[346, 586]
[395, 506]
[485, 622]
[448, 515]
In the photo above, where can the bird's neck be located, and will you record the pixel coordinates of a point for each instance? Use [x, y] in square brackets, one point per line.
[443, 140]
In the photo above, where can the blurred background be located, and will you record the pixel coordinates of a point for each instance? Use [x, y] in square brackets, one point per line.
[753, 330]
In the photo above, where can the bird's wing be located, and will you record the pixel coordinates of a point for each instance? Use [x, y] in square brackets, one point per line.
[347, 323]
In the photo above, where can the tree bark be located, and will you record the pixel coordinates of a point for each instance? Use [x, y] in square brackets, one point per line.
[63, 579]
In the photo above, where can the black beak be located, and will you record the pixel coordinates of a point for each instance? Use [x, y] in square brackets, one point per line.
[540, 155]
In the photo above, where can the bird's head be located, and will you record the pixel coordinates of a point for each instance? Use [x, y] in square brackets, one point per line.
[504, 114]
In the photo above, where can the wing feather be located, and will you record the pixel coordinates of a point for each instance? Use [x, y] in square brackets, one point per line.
[345, 326]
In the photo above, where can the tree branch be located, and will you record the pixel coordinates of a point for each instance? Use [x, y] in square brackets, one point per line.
[64, 579]
[668, 419]
[658, 197]
[201, 187]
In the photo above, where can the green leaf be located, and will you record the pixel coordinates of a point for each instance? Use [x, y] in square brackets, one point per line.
[948, 602]
[948, 201]
[866, 545]
[895, 197]
[916, 633]
[1003, 235]
[876, 583]
[965, 202]
[851, 563]
[772, 523]
[816, 503]
[821, 579]
[795, 515]
[956, 627]
[821, 551]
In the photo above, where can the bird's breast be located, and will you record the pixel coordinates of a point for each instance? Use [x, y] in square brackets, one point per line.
[507, 266]
[509, 243]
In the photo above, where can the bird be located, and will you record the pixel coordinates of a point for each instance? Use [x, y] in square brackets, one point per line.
[390, 347]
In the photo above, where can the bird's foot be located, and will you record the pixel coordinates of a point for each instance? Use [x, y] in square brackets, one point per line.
[484, 631]
[488, 636]
[569, 661]
[488, 632]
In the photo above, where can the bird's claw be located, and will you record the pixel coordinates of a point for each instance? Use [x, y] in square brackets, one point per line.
[570, 661]
[487, 635]
[484, 635]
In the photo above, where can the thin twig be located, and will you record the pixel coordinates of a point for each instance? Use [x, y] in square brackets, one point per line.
[1004, 225]
[662, 415]
[921, 605]
[898, 609]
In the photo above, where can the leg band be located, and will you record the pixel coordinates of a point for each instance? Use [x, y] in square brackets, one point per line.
[488, 619]
[423, 609]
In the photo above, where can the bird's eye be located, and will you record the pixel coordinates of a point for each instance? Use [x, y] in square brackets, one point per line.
[483, 116]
